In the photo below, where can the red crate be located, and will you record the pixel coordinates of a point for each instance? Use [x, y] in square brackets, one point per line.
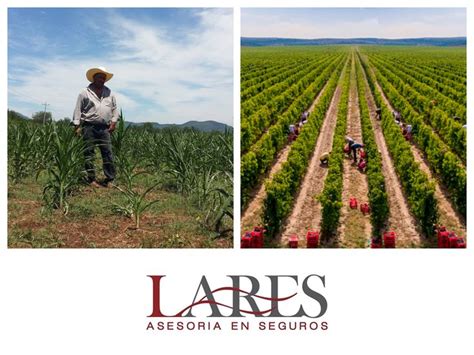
[353, 203]
[443, 239]
[257, 237]
[246, 240]
[376, 243]
[312, 239]
[461, 243]
[453, 240]
[293, 242]
[365, 208]
[389, 239]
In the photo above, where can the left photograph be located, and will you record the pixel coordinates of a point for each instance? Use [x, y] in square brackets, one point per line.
[120, 128]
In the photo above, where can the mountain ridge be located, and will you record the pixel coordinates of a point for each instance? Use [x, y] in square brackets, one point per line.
[424, 41]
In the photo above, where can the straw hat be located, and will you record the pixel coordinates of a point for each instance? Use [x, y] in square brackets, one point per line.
[93, 71]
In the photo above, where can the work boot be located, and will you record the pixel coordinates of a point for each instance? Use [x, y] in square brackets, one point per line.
[105, 183]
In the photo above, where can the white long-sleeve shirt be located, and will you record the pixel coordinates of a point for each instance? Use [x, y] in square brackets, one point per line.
[91, 108]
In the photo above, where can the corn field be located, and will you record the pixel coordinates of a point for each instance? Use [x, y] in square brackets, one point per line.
[195, 165]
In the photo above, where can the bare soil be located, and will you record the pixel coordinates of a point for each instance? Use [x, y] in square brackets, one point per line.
[172, 225]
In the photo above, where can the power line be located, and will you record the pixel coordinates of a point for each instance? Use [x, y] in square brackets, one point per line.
[44, 113]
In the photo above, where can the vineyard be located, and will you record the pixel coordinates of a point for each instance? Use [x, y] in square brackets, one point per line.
[174, 188]
[406, 106]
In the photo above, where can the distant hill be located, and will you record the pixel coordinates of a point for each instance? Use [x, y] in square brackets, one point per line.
[205, 126]
[429, 41]
[13, 115]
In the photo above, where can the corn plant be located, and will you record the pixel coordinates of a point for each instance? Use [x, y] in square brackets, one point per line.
[42, 150]
[136, 203]
[66, 170]
[21, 140]
[180, 153]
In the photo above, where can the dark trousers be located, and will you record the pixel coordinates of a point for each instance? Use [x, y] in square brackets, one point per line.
[98, 135]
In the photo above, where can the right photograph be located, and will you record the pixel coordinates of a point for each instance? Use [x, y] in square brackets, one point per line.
[353, 128]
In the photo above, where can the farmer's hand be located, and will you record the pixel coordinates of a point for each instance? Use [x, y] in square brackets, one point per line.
[77, 130]
[112, 126]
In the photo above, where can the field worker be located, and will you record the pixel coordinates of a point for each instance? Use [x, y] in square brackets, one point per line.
[324, 158]
[409, 128]
[378, 112]
[348, 146]
[292, 128]
[349, 141]
[304, 116]
[96, 112]
[397, 116]
[354, 147]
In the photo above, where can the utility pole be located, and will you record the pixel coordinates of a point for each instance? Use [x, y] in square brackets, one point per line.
[44, 113]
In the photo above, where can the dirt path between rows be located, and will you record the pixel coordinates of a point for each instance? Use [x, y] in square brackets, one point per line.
[400, 220]
[306, 213]
[448, 216]
[251, 217]
[355, 228]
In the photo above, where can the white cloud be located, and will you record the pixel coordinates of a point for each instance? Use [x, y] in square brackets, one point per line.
[156, 78]
[275, 25]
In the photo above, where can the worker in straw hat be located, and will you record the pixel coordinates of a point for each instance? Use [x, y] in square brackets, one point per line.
[96, 115]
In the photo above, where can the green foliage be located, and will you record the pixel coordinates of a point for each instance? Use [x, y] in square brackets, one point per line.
[261, 155]
[136, 202]
[42, 117]
[66, 170]
[420, 191]
[331, 196]
[441, 160]
[281, 190]
[377, 193]
[198, 164]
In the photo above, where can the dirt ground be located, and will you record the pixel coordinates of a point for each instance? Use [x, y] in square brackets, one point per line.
[92, 223]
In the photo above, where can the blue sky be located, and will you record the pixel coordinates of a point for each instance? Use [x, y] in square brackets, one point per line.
[169, 65]
[353, 22]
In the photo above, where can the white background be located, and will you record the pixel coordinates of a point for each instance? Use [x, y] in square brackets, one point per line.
[96, 301]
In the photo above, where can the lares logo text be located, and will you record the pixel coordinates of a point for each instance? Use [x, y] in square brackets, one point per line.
[268, 298]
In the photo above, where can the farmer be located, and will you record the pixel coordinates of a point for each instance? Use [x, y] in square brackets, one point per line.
[304, 117]
[378, 112]
[353, 146]
[397, 116]
[96, 113]
[324, 158]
